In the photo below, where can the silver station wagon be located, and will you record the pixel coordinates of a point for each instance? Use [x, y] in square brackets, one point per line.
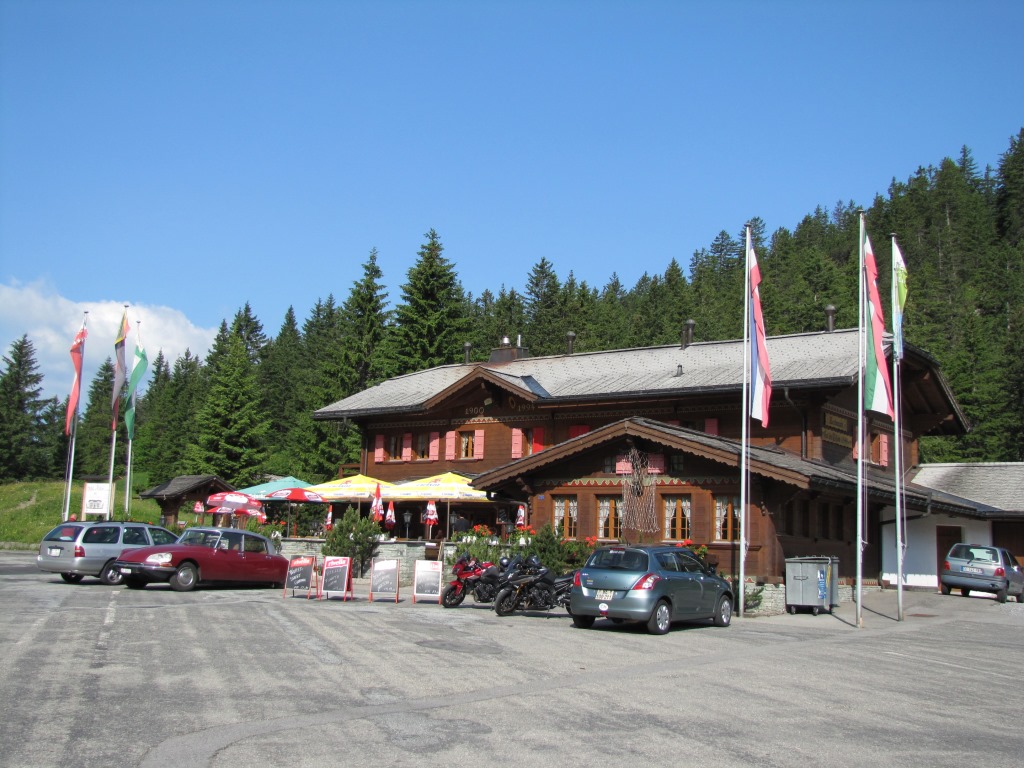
[982, 568]
[654, 584]
[79, 549]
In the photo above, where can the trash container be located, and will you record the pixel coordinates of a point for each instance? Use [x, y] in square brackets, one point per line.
[812, 582]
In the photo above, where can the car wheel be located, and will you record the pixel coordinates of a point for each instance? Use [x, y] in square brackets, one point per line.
[724, 613]
[110, 575]
[185, 578]
[1001, 595]
[815, 610]
[791, 609]
[452, 597]
[946, 589]
[505, 602]
[965, 591]
[71, 578]
[661, 619]
[583, 622]
[134, 582]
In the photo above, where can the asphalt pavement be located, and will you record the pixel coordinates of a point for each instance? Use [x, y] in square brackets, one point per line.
[98, 676]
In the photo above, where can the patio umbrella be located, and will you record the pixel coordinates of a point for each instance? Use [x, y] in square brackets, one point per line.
[298, 495]
[257, 513]
[354, 488]
[234, 502]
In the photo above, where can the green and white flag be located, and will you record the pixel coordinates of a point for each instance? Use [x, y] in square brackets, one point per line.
[138, 371]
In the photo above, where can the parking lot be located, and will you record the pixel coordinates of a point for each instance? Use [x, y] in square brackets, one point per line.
[94, 675]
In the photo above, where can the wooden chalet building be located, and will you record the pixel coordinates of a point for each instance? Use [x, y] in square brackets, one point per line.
[646, 443]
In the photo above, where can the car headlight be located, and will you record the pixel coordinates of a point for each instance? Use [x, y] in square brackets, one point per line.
[160, 558]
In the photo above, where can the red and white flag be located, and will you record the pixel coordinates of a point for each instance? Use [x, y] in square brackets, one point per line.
[760, 370]
[521, 517]
[377, 508]
[77, 353]
[389, 518]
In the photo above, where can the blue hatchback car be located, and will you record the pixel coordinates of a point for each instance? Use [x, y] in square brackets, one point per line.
[651, 583]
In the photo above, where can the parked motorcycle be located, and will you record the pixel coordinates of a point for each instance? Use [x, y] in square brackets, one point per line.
[483, 580]
[533, 588]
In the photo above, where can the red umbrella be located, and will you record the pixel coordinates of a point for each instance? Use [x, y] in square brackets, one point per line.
[300, 495]
[234, 502]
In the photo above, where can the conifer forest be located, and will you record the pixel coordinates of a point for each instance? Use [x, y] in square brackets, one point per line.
[243, 409]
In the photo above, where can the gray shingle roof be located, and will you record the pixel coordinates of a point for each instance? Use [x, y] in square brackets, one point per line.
[998, 485]
[807, 359]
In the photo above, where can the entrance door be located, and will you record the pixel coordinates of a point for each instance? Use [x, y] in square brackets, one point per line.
[945, 537]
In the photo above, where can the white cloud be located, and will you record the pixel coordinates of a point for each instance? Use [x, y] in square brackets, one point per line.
[51, 321]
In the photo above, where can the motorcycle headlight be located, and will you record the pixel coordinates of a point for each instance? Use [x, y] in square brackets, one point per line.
[160, 558]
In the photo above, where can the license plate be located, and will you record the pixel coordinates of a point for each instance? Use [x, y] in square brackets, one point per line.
[126, 570]
[54, 551]
[970, 569]
[605, 594]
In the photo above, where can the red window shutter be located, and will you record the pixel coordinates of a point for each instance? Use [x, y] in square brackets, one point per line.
[672, 422]
[883, 450]
[378, 449]
[575, 430]
[435, 445]
[407, 446]
[517, 443]
[478, 444]
[711, 426]
[449, 446]
[538, 439]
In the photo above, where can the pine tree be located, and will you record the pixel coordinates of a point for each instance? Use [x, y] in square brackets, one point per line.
[92, 443]
[232, 424]
[248, 327]
[364, 319]
[430, 322]
[543, 313]
[284, 361]
[26, 443]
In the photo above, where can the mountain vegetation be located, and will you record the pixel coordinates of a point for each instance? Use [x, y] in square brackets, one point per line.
[246, 410]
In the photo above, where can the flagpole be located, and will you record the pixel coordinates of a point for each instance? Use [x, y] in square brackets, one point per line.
[860, 427]
[119, 379]
[131, 432]
[70, 466]
[744, 419]
[897, 320]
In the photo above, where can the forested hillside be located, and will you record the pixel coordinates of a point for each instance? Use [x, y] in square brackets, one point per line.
[245, 410]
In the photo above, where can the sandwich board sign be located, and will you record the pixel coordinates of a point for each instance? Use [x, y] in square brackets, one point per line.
[384, 578]
[427, 580]
[98, 500]
[301, 573]
[337, 577]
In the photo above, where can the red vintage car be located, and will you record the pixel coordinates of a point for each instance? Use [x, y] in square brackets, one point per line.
[205, 556]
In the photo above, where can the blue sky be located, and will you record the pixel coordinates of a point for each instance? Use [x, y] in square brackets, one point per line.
[186, 158]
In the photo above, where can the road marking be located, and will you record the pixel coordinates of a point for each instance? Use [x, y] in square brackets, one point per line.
[933, 660]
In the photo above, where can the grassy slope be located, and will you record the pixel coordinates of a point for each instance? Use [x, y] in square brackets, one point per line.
[29, 510]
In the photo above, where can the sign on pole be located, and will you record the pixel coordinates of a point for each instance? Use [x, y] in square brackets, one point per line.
[97, 500]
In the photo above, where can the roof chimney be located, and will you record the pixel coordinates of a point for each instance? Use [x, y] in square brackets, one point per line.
[570, 340]
[830, 318]
[506, 353]
[686, 338]
[466, 348]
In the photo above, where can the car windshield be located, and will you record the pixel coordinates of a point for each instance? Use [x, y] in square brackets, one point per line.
[63, 533]
[200, 538]
[617, 557]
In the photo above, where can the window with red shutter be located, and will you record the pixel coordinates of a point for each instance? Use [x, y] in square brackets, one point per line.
[711, 426]
[435, 445]
[378, 449]
[478, 444]
[538, 439]
[517, 443]
[449, 446]
[407, 446]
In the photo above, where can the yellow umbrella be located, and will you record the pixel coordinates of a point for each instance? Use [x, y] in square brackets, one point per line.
[355, 488]
[448, 486]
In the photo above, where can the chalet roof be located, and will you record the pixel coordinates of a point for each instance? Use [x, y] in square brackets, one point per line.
[769, 462]
[184, 485]
[997, 487]
[798, 361]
